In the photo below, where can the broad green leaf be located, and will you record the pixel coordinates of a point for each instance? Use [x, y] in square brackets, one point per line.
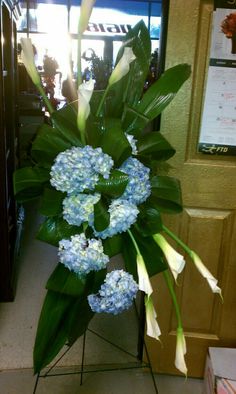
[114, 142]
[65, 120]
[52, 331]
[150, 251]
[166, 194]
[29, 182]
[114, 186]
[112, 246]
[149, 220]
[47, 144]
[156, 146]
[156, 98]
[101, 215]
[53, 229]
[51, 202]
[64, 281]
[129, 89]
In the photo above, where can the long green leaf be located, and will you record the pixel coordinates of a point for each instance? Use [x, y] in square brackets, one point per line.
[114, 186]
[51, 202]
[64, 281]
[48, 143]
[112, 246]
[29, 182]
[156, 98]
[55, 228]
[65, 120]
[101, 215]
[149, 220]
[166, 194]
[156, 146]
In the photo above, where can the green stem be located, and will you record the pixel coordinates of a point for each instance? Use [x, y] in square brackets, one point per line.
[79, 71]
[134, 242]
[177, 240]
[173, 296]
[45, 98]
[102, 100]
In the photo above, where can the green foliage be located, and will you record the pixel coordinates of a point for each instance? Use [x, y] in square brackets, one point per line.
[55, 228]
[101, 215]
[166, 194]
[29, 182]
[114, 186]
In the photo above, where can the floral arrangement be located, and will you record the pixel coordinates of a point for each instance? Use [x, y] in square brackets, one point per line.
[95, 170]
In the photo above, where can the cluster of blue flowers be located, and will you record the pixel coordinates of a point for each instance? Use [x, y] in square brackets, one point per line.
[78, 208]
[82, 255]
[75, 171]
[78, 169]
[116, 294]
[139, 187]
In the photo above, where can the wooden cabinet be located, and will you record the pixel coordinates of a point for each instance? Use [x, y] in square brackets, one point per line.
[10, 217]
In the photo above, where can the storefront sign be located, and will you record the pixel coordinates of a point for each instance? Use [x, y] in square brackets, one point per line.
[218, 125]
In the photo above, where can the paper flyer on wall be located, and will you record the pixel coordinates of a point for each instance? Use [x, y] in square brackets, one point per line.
[218, 124]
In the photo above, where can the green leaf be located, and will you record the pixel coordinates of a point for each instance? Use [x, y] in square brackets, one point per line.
[149, 220]
[65, 120]
[166, 194]
[80, 317]
[156, 98]
[29, 182]
[52, 329]
[114, 142]
[51, 203]
[129, 89]
[150, 251]
[112, 246]
[156, 146]
[64, 281]
[47, 144]
[101, 215]
[53, 229]
[114, 186]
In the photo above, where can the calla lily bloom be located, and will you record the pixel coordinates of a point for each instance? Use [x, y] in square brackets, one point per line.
[85, 93]
[27, 57]
[153, 329]
[175, 260]
[85, 13]
[122, 67]
[143, 277]
[180, 351]
[212, 281]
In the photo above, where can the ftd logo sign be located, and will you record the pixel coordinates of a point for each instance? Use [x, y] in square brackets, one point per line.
[108, 28]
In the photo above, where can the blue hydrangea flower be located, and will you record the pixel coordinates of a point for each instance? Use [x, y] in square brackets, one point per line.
[116, 294]
[78, 208]
[122, 215]
[132, 142]
[82, 255]
[77, 169]
[139, 187]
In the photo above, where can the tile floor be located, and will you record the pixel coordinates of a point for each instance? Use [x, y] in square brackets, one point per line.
[18, 322]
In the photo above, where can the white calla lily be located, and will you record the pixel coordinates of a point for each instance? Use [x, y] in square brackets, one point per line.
[143, 277]
[153, 329]
[212, 281]
[27, 57]
[122, 67]
[85, 13]
[181, 350]
[175, 260]
[85, 93]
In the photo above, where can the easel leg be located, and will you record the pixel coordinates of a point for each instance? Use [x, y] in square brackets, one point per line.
[82, 361]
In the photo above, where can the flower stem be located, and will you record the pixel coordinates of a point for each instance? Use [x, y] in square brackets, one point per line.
[79, 71]
[134, 242]
[45, 98]
[177, 240]
[102, 100]
[173, 296]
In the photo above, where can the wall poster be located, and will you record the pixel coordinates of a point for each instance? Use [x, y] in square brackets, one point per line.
[218, 124]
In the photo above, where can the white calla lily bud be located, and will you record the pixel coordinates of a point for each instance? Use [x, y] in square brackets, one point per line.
[212, 281]
[123, 66]
[153, 329]
[85, 13]
[143, 277]
[27, 57]
[181, 350]
[85, 94]
[175, 260]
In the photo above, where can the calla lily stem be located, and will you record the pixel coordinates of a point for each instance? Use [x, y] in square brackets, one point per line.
[102, 101]
[173, 296]
[176, 239]
[79, 72]
[134, 242]
[45, 98]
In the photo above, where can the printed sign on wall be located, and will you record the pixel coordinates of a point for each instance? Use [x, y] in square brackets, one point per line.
[218, 125]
